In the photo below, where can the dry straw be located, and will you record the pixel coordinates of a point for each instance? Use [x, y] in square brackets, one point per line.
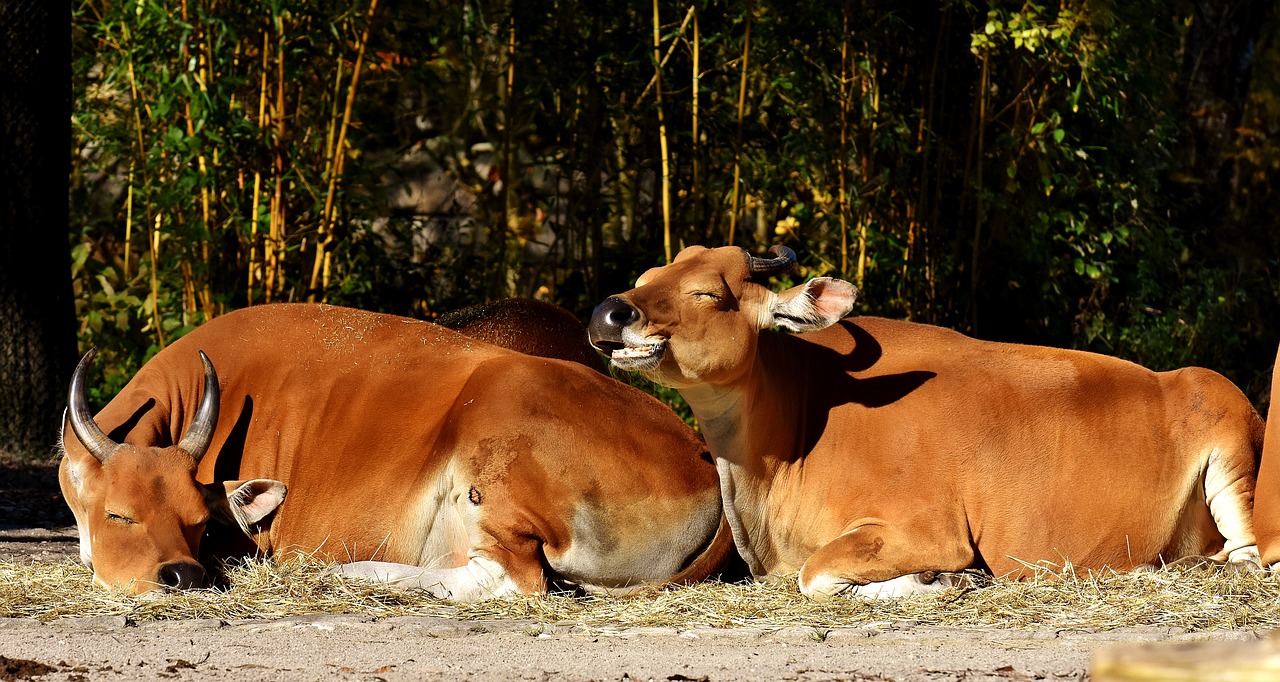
[1190, 598]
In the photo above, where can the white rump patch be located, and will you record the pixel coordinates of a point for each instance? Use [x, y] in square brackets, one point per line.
[619, 549]
[478, 580]
[438, 530]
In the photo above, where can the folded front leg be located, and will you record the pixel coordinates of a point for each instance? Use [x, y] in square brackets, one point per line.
[878, 562]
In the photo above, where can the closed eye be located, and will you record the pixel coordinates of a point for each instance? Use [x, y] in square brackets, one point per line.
[707, 295]
[119, 518]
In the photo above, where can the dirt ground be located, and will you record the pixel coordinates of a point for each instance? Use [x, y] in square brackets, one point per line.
[36, 526]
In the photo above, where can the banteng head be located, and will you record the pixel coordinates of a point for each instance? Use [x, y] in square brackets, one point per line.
[697, 320]
[139, 509]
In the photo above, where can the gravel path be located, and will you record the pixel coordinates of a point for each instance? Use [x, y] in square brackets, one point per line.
[351, 647]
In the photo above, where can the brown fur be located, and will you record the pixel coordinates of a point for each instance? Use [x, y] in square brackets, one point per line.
[872, 449]
[1266, 509]
[359, 414]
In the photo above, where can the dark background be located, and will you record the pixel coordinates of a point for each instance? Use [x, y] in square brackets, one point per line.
[1095, 175]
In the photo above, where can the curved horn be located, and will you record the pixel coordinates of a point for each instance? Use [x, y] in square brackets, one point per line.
[199, 435]
[86, 429]
[771, 266]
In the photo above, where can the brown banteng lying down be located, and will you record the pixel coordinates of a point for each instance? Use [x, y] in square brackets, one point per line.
[869, 454]
[1266, 505]
[473, 470]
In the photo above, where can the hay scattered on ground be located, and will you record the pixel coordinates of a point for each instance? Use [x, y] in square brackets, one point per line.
[1191, 598]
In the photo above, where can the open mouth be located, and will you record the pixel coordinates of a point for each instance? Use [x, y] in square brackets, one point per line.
[646, 356]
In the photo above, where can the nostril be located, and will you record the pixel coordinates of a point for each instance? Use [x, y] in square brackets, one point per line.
[181, 575]
[622, 315]
[607, 322]
[613, 313]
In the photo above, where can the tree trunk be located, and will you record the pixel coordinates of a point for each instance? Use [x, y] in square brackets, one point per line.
[37, 328]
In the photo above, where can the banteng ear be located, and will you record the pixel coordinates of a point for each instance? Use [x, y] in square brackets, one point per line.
[814, 305]
[240, 503]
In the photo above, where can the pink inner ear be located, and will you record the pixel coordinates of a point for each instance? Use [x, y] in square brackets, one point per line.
[263, 496]
[834, 298]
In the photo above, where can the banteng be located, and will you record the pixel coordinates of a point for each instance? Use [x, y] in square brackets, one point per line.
[870, 454]
[464, 468]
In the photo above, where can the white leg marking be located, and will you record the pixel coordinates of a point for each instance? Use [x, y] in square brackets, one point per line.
[1228, 505]
[827, 585]
[477, 580]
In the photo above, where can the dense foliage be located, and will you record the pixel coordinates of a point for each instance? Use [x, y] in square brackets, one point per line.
[1098, 175]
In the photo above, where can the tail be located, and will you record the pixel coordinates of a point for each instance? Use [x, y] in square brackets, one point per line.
[1266, 501]
[720, 557]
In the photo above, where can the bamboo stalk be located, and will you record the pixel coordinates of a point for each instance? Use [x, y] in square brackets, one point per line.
[842, 161]
[205, 297]
[331, 134]
[275, 275]
[907, 250]
[662, 135]
[255, 268]
[206, 192]
[188, 278]
[510, 215]
[331, 150]
[137, 123]
[188, 292]
[870, 88]
[697, 49]
[509, 109]
[737, 148]
[325, 238]
[864, 187]
[153, 245]
[133, 94]
[128, 223]
[981, 208]
[328, 267]
[676, 41]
